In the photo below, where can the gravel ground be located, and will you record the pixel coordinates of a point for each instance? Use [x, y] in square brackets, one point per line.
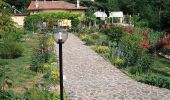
[90, 77]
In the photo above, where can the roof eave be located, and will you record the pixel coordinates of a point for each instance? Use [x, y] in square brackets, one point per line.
[57, 9]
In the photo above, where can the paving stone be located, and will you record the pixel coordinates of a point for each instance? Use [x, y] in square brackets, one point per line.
[90, 77]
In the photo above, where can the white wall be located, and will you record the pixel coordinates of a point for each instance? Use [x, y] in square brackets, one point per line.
[19, 20]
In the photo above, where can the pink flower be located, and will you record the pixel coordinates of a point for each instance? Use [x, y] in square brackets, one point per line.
[46, 49]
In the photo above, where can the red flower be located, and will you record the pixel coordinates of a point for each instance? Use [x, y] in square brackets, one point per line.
[128, 30]
[164, 32]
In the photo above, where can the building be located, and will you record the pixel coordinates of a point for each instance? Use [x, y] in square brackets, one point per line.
[55, 6]
[19, 19]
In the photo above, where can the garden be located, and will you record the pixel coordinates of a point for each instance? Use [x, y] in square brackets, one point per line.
[28, 64]
[28, 67]
[139, 52]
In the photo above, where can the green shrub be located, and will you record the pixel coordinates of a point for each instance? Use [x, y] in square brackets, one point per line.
[156, 80]
[130, 46]
[39, 57]
[102, 40]
[145, 62]
[102, 49]
[95, 36]
[10, 49]
[14, 35]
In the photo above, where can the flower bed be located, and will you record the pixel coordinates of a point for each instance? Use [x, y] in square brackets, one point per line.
[134, 50]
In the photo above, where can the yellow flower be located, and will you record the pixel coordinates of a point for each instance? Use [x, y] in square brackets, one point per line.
[46, 65]
[82, 37]
[50, 42]
[119, 62]
[54, 74]
[102, 49]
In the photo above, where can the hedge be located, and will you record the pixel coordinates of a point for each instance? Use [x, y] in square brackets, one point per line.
[32, 22]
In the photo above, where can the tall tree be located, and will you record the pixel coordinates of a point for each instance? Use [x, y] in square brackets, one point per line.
[6, 22]
[19, 4]
[112, 5]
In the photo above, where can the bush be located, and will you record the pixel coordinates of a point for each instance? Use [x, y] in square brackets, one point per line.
[130, 46]
[156, 80]
[102, 40]
[102, 49]
[145, 62]
[119, 62]
[10, 49]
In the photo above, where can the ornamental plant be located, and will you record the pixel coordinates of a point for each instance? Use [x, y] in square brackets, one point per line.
[156, 42]
[119, 62]
[145, 43]
[40, 55]
[102, 49]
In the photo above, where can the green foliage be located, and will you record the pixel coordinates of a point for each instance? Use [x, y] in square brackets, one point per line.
[12, 36]
[40, 55]
[40, 94]
[114, 34]
[112, 5]
[165, 18]
[10, 49]
[88, 40]
[89, 15]
[156, 80]
[102, 40]
[7, 95]
[19, 4]
[87, 30]
[130, 46]
[32, 22]
[145, 62]
[155, 36]
[52, 58]
[6, 23]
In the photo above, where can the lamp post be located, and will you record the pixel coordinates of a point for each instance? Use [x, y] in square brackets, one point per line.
[60, 36]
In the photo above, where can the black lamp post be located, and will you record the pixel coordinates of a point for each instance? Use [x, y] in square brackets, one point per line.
[60, 36]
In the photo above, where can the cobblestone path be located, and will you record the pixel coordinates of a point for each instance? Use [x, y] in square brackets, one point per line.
[90, 77]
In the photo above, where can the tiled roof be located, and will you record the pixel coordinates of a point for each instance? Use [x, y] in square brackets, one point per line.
[53, 5]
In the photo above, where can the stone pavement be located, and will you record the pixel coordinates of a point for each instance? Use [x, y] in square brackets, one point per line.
[90, 77]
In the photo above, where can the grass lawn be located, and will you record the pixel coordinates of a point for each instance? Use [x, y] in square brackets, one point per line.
[18, 69]
[162, 66]
[158, 75]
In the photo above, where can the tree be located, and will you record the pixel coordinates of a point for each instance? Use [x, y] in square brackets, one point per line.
[6, 22]
[19, 4]
[112, 5]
